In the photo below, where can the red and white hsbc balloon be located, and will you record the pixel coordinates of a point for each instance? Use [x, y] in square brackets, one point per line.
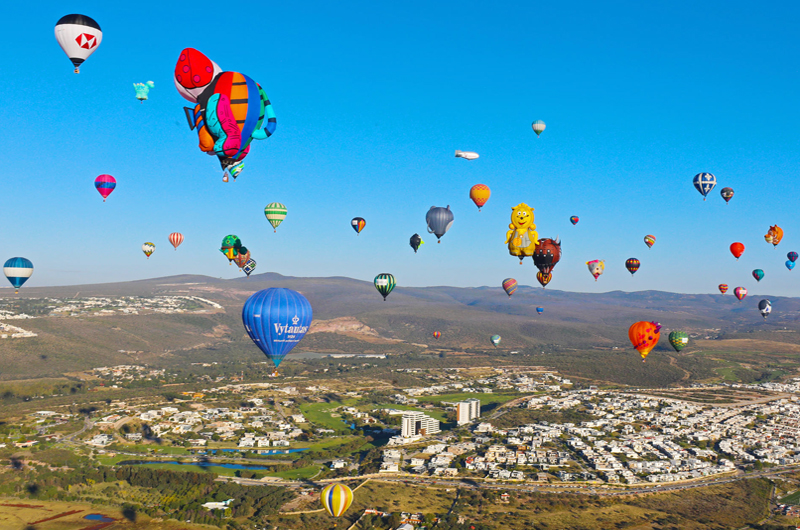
[79, 36]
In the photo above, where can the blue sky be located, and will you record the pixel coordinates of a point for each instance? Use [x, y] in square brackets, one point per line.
[372, 99]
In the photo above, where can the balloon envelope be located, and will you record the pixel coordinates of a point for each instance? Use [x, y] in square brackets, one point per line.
[538, 127]
[540, 310]
[495, 339]
[679, 340]
[439, 220]
[574, 219]
[774, 235]
[79, 36]
[644, 336]
[437, 334]
[737, 249]
[632, 264]
[758, 274]
[789, 264]
[18, 270]
[596, 267]
[105, 184]
[649, 241]
[509, 286]
[740, 293]
[336, 498]
[415, 241]
[358, 224]
[727, 194]
[704, 183]
[148, 249]
[176, 238]
[276, 319]
[792, 256]
[723, 288]
[385, 284]
[480, 193]
[275, 213]
[765, 307]
[249, 266]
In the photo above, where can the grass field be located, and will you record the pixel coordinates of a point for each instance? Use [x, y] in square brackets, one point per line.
[436, 414]
[300, 473]
[320, 414]
[486, 399]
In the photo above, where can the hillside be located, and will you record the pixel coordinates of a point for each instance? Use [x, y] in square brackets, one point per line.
[350, 316]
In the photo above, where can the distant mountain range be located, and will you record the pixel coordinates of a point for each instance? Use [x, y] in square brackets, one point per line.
[465, 316]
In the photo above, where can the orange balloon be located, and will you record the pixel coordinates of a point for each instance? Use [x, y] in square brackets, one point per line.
[644, 336]
[480, 193]
[774, 235]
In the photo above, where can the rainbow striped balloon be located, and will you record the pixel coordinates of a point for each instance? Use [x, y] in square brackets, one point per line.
[509, 286]
[336, 498]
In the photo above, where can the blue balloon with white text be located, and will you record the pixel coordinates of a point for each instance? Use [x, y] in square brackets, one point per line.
[276, 320]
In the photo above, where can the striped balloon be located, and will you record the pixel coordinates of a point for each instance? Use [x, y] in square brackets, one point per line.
[176, 238]
[105, 184]
[632, 264]
[18, 270]
[538, 127]
[275, 213]
[437, 335]
[723, 288]
[509, 286]
[385, 283]
[336, 498]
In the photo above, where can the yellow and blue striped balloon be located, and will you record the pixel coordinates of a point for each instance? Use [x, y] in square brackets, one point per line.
[336, 498]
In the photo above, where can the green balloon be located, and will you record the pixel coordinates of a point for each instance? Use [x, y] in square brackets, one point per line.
[384, 283]
[679, 340]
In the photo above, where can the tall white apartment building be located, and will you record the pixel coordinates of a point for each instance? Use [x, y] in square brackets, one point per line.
[468, 410]
[418, 424]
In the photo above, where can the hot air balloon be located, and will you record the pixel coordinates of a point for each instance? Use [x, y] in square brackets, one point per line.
[727, 194]
[774, 235]
[544, 278]
[358, 224]
[509, 286]
[415, 241]
[336, 498]
[142, 90]
[230, 108]
[105, 184]
[467, 155]
[704, 183]
[176, 238]
[644, 336]
[679, 340]
[79, 36]
[632, 264]
[596, 267]
[439, 221]
[242, 257]
[723, 288]
[230, 246]
[765, 307]
[538, 127]
[437, 335]
[495, 340]
[275, 213]
[480, 193]
[574, 219]
[758, 274]
[522, 238]
[737, 249]
[792, 256]
[789, 264]
[649, 241]
[148, 249]
[384, 283]
[546, 257]
[740, 293]
[249, 267]
[18, 270]
[276, 320]
[540, 310]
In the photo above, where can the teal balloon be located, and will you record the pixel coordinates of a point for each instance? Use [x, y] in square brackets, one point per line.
[758, 274]
[789, 264]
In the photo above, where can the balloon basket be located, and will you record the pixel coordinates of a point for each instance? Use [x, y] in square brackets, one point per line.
[77, 71]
